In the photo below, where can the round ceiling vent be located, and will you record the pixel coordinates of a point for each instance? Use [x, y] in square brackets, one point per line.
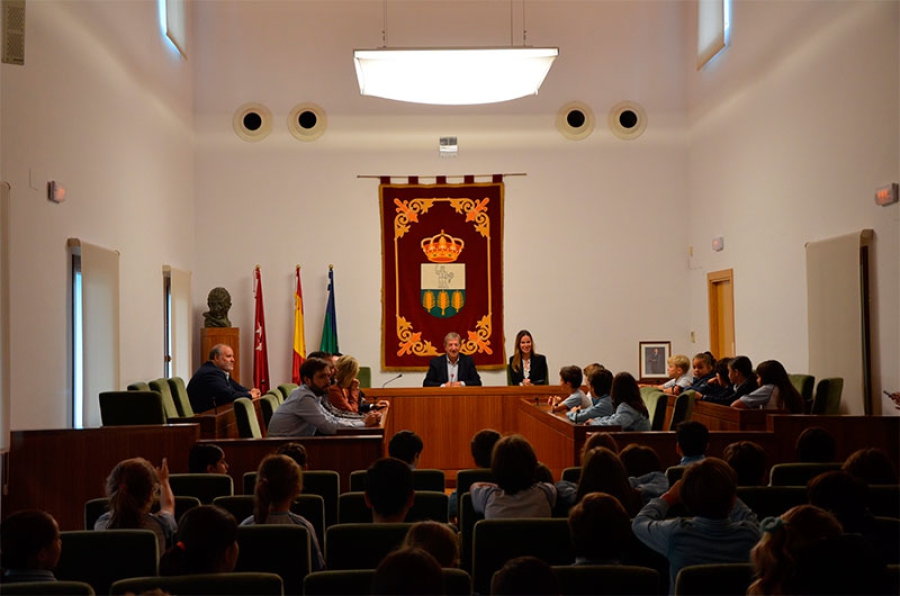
[575, 121]
[307, 122]
[627, 120]
[252, 122]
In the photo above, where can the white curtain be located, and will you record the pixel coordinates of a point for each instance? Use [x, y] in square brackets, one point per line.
[180, 321]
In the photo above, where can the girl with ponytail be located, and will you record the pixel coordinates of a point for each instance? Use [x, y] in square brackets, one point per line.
[206, 542]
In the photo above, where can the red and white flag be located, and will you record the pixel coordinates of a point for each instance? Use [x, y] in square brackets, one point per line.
[260, 341]
[299, 336]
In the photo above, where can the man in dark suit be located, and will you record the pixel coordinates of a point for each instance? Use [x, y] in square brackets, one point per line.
[452, 369]
[212, 384]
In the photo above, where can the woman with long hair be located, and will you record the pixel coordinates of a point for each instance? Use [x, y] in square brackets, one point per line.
[630, 412]
[776, 392]
[527, 367]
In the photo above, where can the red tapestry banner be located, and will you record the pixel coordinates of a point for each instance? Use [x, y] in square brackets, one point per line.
[442, 246]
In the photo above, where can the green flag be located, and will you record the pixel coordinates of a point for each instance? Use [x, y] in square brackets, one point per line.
[329, 329]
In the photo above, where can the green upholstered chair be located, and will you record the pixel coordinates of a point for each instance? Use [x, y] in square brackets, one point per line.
[468, 517]
[268, 403]
[827, 400]
[350, 582]
[572, 474]
[281, 549]
[56, 588]
[804, 385]
[162, 386]
[885, 533]
[312, 507]
[674, 473]
[180, 395]
[723, 579]
[684, 407]
[247, 422]
[204, 584]
[325, 483]
[768, 501]
[893, 579]
[205, 487]
[655, 400]
[365, 377]
[884, 500]
[575, 580]
[127, 408]
[496, 541]
[139, 386]
[361, 546]
[428, 505]
[466, 478]
[424, 479]
[799, 473]
[94, 508]
[276, 394]
[286, 388]
[100, 557]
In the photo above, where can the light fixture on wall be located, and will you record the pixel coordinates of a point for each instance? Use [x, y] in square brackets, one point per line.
[453, 76]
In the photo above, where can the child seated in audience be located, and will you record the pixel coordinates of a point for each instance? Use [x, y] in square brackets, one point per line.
[723, 529]
[748, 460]
[30, 546]
[680, 378]
[804, 551]
[589, 371]
[630, 411]
[296, 452]
[410, 571]
[598, 439]
[435, 538]
[515, 492]
[206, 542]
[775, 392]
[601, 403]
[406, 446]
[692, 440]
[389, 490]
[743, 379]
[570, 379]
[815, 445]
[600, 529]
[704, 367]
[602, 472]
[872, 466]
[131, 487]
[279, 480]
[718, 389]
[481, 446]
[206, 458]
[644, 469]
[525, 575]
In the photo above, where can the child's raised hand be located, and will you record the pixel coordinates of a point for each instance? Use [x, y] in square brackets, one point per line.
[163, 471]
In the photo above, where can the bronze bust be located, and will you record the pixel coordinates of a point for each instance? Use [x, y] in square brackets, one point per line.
[219, 303]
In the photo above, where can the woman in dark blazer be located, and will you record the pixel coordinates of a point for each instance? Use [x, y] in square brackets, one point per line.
[525, 367]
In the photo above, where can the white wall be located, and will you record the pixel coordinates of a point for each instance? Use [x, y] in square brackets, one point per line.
[103, 106]
[788, 150]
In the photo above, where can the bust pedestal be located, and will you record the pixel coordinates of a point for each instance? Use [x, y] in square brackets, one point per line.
[230, 336]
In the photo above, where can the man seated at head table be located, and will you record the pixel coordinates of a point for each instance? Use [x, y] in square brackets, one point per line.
[212, 384]
[303, 414]
[453, 369]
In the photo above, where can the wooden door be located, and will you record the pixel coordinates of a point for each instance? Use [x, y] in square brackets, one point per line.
[720, 285]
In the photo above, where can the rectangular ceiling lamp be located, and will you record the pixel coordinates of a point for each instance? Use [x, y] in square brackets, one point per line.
[453, 76]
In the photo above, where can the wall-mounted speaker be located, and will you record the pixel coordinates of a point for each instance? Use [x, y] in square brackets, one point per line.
[575, 121]
[252, 122]
[307, 122]
[627, 120]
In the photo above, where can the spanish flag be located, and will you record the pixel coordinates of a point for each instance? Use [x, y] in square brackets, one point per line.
[299, 337]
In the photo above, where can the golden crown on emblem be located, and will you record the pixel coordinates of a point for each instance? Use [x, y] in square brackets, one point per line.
[442, 248]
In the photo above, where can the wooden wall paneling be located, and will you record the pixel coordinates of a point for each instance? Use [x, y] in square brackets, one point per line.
[850, 432]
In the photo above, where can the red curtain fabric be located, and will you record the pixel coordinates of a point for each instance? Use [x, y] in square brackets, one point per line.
[442, 246]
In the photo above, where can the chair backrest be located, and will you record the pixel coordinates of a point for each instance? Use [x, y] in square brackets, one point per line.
[799, 473]
[50, 588]
[885, 533]
[100, 557]
[674, 473]
[724, 579]
[126, 408]
[312, 507]
[349, 582]
[204, 584]
[286, 388]
[684, 407]
[884, 500]
[180, 395]
[365, 377]
[468, 517]
[281, 549]
[496, 541]
[893, 579]
[424, 479]
[466, 478]
[276, 394]
[427, 505]
[139, 386]
[655, 400]
[804, 385]
[267, 405]
[606, 579]
[162, 386]
[325, 483]
[94, 508]
[245, 416]
[767, 501]
[361, 546]
[572, 474]
[204, 486]
[827, 400]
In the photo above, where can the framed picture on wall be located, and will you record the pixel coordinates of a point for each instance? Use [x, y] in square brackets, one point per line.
[653, 356]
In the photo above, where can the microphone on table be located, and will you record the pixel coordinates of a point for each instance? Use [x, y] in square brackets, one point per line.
[391, 380]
